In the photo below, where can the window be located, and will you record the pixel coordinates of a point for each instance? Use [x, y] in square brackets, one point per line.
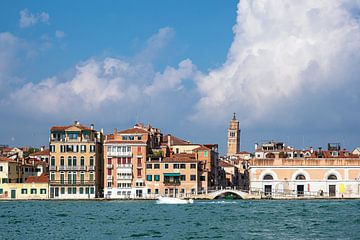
[183, 165]
[131, 137]
[109, 172]
[156, 166]
[192, 165]
[157, 178]
[82, 178]
[52, 148]
[109, 160]
[148, 177]
[33, 191]
[74, 161]
[205, 153]
[109, 184]
[69, 161]
[139, 162]
[62, 161]
[83, 148]
[149, 191]
[5, 180]
[176, 166]
[62, 148]
[81, 190]
[1, 191]
[92, 148]
[232, 134]
[52, 176]
[1, 168]
[91, 161]
[92, 190]
[91, 176]
[87, 190]
[75, 148]
[74, 190]
[62, 178]
[192, 177]
[300, 177]
[73, 136]
[156, 191]
[148, 166]
[52, 161]
[139, 137]
[332, 177]
[268, 177]
[82, 161]
[182, 177]
[24, 191]
[62, 190]
[202, 178]
[139, 172]
[166, 166]
[42, 191]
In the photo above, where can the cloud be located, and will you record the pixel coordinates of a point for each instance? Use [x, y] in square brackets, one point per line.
[101, 83]
[283, 53]
[59, 34]
[28, 19]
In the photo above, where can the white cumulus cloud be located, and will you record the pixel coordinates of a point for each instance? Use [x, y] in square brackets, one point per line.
[28, 19]
[283, 51]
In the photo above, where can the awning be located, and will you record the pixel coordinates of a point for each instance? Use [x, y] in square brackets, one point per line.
[171, 174]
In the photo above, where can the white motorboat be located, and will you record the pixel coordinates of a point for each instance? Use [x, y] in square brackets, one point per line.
[173, 200]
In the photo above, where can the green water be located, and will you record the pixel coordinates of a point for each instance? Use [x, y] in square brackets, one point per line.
[232, 219]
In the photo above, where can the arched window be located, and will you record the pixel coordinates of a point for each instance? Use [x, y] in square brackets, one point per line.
[300, 177]
[268, 177]
[332, 177]
[270, 155]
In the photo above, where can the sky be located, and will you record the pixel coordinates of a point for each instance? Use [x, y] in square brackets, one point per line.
[289, 69]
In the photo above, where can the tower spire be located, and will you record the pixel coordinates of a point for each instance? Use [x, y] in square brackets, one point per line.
[234, 117]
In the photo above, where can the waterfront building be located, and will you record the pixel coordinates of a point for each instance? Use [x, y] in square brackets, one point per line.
[76, 162]
[356, 151]
[42, 155]
[229, 174]
[125, 154]
[283, 171]
[178, 175]
[233, 137]
[14, 153]
[35, 187]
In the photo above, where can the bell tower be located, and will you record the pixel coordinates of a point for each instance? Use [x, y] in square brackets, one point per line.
[233, 137]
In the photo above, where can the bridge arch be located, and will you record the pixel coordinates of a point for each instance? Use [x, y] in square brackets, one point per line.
[238, 193]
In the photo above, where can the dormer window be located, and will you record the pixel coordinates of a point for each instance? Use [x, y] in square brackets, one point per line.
[334, 154]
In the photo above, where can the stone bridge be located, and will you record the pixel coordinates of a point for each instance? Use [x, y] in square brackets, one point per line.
[215, 194]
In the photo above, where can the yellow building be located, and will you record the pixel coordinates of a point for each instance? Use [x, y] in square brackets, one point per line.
[76, 162]
[33, 188]
[9, 171]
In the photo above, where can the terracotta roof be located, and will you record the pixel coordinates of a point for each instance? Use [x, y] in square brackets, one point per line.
[6, 159]
[125, 141]
[202, 148]
[41, 153]
[174, 140]
[7, 149]
[244, 152]
[181, 157]
[225, 164]
[133, 130]
[43, 178]
[63, 128]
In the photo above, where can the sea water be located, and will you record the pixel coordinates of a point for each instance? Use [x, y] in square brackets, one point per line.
[234, 219]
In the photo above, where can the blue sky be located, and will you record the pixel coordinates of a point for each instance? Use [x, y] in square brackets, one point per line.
[290, 70]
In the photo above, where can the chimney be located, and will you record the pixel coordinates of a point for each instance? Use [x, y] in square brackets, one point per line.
[92, 126]
[311, 150]
[169, 140]
[160, 159]
[256, 146]
[115, 132]
[42, 148]
[76, 122]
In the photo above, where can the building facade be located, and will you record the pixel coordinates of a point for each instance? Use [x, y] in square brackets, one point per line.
[76, 162]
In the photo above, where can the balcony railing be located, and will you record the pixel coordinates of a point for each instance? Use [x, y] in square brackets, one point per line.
[109, 177]
[171, 183]
[120, 154]
[124, 177]
[52, 168]
[127, 165]
[72, 183]
[91, 168]
[82, 168]
[72, 168]
[109, 166]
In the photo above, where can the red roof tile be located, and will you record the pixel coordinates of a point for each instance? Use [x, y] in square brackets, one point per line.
[41, 153]
[133, 131]
[43, 178]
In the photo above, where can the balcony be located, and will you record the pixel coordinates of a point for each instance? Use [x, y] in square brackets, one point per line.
[91, 168]
[82, 168]
[72, 168]
[127, 165]
[72, 183]
[52, 168]
[119, 154]
[62, 168]
[109, 177]
[171, 183]
[109, 166]
[124, 177]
